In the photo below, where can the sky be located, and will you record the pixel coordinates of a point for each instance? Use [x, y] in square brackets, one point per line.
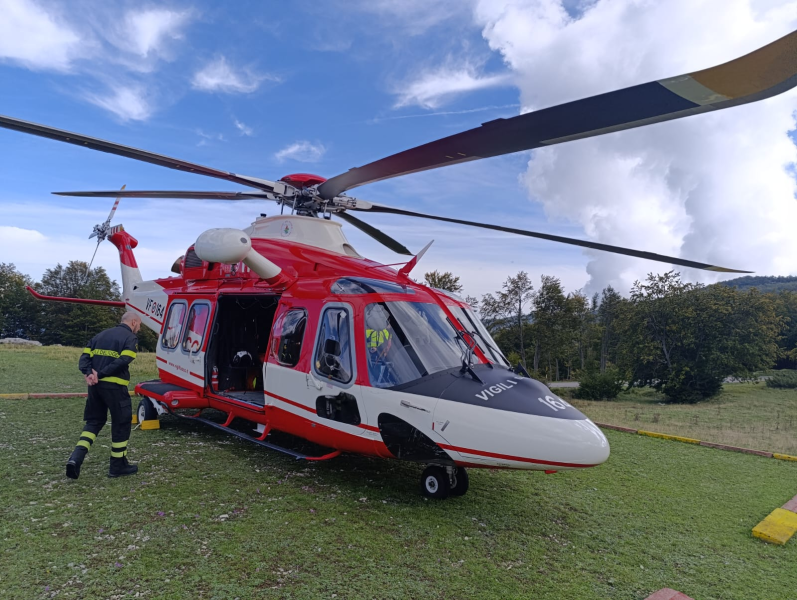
[269, 89]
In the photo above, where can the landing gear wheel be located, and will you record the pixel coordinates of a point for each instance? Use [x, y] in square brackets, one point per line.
[146, 412]
[460, 482]
[434, 482]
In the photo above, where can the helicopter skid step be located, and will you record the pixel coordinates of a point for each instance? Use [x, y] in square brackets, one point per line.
[258, 441]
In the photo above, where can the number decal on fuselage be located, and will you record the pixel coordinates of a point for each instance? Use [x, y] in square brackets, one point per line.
[154, 308]
[556, 404]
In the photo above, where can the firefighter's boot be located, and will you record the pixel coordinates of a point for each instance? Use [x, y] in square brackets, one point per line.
[120, 467]
[75, 461]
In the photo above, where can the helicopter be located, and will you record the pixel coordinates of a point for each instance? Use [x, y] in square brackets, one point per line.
[285, 326]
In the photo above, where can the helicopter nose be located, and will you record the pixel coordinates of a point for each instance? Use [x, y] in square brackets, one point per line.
[521, 441]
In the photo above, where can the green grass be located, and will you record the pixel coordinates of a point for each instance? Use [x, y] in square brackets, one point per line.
[657, 514]
[750, 415]
[44, 369]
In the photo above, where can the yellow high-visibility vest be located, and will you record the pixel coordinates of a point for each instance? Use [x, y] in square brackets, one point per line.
[376, 337]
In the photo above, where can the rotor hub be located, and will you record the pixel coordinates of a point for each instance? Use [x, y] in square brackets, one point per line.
[303, 180]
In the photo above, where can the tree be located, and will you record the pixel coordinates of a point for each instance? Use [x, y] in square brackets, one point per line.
[685, 339]
[607, 313]
[509, 305]
[443, 281]
[19, 312]
[550, 308]
[75, 324]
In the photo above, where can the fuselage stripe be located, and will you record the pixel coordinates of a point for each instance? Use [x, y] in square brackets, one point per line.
[144, 313]
[291, 402]
[510, 457]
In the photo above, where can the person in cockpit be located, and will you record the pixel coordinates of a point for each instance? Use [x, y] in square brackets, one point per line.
[378, 340]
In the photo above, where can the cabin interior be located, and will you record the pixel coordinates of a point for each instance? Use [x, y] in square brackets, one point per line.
[239, 343]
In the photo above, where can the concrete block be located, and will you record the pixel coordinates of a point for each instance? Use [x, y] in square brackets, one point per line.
[784, 457]
[736, 449]
[616, 427]
[668, 594]
[666, 436]
[791, 505]
[778, 527]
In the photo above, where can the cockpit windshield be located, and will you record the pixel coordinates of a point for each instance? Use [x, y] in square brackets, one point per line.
[471, 323]
[408, 340]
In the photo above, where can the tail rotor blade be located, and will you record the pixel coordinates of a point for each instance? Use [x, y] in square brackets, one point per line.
[115, 205]
[375, 233]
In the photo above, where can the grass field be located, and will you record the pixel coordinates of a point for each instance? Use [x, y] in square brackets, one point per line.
[54, 369]
[749, 415]
[210, 516]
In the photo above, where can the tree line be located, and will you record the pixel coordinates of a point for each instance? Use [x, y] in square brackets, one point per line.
[22, 316]
[681, 338]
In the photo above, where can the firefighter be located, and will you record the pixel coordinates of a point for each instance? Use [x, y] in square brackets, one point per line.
[104, 363]
[378, 340]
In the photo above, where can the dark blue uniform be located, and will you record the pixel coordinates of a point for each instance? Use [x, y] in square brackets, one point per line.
[109, 353]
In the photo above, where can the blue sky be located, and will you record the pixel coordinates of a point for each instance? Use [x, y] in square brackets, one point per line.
[268, 89]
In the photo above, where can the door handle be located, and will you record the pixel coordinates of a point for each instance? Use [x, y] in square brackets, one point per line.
[408, 405]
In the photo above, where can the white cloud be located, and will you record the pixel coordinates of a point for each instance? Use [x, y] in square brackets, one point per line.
[413, 17]
[711, 188]
[302, 151]
[244, 128]
[37, 39]
[129, 103]
[148, 31]
[433, 88]
[220, 76]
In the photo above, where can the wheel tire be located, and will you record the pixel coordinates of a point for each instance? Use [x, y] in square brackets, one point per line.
[146, 411]
[434, 482]
[461, 483]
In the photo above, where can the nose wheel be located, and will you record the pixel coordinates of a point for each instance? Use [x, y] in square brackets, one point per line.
[441, 482]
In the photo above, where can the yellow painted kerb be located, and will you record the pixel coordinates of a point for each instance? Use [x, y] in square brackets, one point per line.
[784, 457]
[665, 436]
[14, 396]
[778, 527]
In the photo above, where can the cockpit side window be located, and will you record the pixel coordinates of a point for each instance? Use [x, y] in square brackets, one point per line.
[289, 332]
[471, 323]
[408, 340]
[333, 351]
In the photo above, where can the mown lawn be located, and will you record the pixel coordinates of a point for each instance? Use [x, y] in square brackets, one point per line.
[54, 369]
[749, 415]
[210, 516]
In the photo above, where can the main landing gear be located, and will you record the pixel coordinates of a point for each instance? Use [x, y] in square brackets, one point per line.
[442, 482]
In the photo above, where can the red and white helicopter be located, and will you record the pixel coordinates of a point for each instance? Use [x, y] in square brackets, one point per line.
[284, 325]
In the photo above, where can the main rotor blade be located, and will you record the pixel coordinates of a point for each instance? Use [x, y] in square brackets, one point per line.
[173, 194]
[143, 155]
[763, 73]
[378, 235]
[564, 240]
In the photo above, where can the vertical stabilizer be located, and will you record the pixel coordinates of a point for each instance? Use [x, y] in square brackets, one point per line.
[125, 243]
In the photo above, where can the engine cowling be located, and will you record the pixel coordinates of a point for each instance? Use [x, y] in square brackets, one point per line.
[231, 246]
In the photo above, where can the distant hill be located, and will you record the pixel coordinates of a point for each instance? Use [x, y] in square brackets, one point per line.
[764, 283]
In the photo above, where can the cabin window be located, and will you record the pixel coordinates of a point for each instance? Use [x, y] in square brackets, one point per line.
[361, 285]
[195, 331]
[173, 330]
[287, 344]
[333, 353]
